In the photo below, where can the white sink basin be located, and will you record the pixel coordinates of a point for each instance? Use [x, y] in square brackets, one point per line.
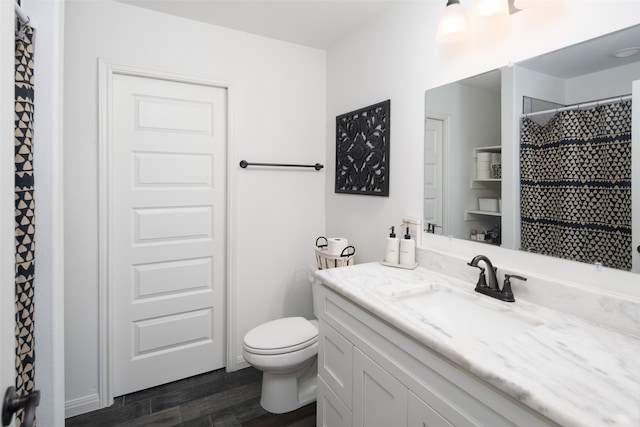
[465, 318]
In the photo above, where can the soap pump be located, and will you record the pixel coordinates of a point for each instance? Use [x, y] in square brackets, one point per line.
[407, 250]
[392, 255]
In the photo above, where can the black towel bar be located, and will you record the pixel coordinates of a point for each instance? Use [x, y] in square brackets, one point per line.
[244, 164]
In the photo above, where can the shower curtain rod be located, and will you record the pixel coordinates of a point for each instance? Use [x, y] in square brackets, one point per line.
[580, 105]
[22, 17]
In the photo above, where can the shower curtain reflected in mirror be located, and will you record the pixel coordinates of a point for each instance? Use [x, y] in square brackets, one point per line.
[575, 181]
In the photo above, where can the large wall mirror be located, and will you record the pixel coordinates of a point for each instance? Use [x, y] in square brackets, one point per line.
[537, 156]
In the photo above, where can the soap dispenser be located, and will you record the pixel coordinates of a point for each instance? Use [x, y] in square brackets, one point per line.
[407, 250]
[392, 255]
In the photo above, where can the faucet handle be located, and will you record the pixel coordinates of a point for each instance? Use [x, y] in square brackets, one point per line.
[482, 280]
[506, 287]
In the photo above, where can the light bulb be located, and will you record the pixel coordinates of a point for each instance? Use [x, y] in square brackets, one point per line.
[453, 25]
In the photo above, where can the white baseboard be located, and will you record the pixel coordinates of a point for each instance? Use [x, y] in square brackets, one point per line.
[240, 363]
[81, 405]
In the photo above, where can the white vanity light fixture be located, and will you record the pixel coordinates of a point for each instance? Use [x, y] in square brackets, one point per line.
[490, 7]
[453, 25]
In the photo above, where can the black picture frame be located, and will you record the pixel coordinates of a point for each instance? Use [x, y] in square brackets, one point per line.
[362, 150]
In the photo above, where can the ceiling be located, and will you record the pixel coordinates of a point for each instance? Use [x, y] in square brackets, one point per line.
[314, 23]
[321, 23]
[580, 59]
[587, 57]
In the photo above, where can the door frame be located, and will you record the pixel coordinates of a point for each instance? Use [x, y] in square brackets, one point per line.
[107, 69]
[7, 189]
[445, 119]
[635, 175]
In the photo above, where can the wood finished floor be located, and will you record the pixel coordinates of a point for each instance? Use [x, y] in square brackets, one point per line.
[214, 399]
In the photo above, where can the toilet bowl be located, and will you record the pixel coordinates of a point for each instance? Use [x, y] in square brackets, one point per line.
[285, 350]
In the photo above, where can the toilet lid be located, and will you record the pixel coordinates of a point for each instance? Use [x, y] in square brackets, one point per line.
[281, 336]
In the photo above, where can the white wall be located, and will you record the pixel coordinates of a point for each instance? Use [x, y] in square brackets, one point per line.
[603, 84]
[397, 57]
[278, 116]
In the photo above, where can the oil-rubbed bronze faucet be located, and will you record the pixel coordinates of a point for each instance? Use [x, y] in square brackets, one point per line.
[492, 289]
[493, 280]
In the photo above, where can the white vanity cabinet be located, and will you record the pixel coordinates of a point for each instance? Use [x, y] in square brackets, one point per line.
[379, 400]
[331, 411]
[422, 415]
[371, 374]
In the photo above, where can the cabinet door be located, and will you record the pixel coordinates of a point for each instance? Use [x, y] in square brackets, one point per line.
[335, 361]
[423, 415]
[379, 400]
[331, 412]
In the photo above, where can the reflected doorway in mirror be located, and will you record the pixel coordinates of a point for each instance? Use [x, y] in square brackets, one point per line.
[434, 161]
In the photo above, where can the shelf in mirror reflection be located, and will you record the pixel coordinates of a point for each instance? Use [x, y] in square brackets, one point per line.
[483, 183]
[470, 215]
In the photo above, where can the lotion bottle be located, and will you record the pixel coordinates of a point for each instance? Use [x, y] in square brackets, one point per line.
[392, 255]
[407, 250]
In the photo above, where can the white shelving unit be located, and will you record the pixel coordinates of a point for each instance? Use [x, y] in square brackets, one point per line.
[491, 149]
[478, 184]
[469, 215]
[491, 186]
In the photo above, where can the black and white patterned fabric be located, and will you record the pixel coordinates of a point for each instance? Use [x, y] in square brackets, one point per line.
[575, 174]
[24, 215]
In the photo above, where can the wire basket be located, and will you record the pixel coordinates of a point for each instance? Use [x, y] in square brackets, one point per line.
[326, 260]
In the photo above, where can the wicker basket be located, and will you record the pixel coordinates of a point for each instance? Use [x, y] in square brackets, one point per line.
[326, 260]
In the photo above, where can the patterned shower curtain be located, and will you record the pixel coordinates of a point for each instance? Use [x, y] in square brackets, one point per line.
[24, 215]
[576, 185]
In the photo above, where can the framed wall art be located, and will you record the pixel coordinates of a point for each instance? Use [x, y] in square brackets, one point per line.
[362, 150]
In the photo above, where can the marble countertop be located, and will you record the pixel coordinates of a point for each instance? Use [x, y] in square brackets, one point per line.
[574, 372]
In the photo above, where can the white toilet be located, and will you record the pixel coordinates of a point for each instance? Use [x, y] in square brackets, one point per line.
[285, 350]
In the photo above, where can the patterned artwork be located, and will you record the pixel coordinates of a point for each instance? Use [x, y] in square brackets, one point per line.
[24, 216]
[362, 150]
[576, 185]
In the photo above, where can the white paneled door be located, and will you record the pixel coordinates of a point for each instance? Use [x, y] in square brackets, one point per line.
[167, 201]
[433, 172]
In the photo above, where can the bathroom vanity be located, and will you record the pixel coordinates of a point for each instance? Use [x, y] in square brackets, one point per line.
[421, 348]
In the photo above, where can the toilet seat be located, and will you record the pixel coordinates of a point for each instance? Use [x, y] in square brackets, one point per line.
[281, 336]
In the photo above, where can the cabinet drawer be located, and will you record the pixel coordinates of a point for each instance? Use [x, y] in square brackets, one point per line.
[331, 412]
[335, 359]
